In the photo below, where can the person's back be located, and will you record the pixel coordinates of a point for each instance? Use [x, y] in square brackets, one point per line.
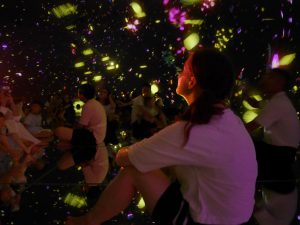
[218, 156]
[276, 152]
[281, 124]
[224, 159]
[94, 118]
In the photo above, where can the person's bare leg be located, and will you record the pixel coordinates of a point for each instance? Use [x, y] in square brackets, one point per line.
[119, 193]
[64, 133]
[64, 145]
[66, 161]
[17, 171]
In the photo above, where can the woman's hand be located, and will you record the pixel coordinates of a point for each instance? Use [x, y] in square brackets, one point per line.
[122, 158]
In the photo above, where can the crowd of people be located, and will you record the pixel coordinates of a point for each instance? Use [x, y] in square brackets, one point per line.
[200, 167]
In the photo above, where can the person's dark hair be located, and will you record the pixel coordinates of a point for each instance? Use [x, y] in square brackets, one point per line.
[1, 114]
[284, 75]
[146, 85]
[106, 100]
[214, 74]
[37, 102]
[87, 90]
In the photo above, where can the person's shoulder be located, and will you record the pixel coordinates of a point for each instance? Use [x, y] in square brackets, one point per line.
[96, 105]
[90, 103]
[29, 115]
[279, 99]
[138, 98]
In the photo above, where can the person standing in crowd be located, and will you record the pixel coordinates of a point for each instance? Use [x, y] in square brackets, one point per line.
[152, 118]
[276, 152]
[86, 141]
[210, 150]
[69, 113]
[138, 104]
[109, 105]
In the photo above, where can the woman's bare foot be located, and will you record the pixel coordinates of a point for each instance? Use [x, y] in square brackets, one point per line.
[81, 220]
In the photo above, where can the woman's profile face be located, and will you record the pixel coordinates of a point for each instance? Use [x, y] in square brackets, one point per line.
[184, 77]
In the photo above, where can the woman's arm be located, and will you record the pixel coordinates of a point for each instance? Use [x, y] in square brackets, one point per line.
[5, 147]
[12, 105]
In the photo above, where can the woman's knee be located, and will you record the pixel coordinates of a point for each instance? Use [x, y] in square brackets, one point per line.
[65, 162]
[130, 171]
[63, 133]
[58, 131]
[150, 184]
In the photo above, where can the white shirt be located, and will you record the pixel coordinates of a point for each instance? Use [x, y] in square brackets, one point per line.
[137, 103]
[280, 122]
[14, 126]
[96, 170]
[217, 167]
[33, 122]
[93, 116]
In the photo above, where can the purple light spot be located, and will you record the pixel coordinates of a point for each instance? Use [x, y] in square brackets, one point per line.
[129, 216]
[172, 15]
[4, 46]
[275, 61]
[165, 2]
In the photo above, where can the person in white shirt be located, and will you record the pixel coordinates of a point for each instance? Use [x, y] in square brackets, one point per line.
[86, 142]
[277, 151]
[210, 150]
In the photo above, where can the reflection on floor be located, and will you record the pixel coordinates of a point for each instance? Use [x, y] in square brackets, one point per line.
[51, 195]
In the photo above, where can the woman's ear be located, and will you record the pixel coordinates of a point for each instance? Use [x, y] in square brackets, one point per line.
[192, 82]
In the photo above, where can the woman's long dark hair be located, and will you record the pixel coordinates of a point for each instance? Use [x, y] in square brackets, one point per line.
[214, 74]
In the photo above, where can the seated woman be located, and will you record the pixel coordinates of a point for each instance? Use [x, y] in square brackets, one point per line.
[84, 144]
[210, 150]
[14, 153]
[25, 140]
